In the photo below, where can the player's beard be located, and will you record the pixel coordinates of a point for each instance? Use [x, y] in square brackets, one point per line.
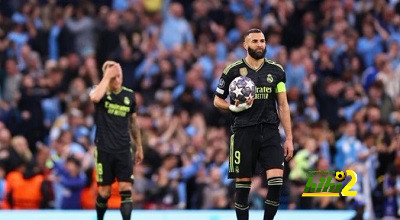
[257, 55]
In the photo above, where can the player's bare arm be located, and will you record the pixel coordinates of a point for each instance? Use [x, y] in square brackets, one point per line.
[110, 69]
[135, 135]
[284, 116]
[221, 103]
[237, 107]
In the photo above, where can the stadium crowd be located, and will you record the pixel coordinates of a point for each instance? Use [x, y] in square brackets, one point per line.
[342, 64]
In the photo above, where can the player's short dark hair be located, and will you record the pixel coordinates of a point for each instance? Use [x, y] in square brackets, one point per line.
[253, 30]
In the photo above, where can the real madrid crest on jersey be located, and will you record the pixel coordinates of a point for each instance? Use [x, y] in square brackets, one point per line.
[243, 71]
[126, 101]
[270, 79]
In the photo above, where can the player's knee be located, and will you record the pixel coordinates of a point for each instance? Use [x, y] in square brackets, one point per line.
[105, 192]
[105, 195]
[274, 190]
[101, 200]
[125, 186]
[126, 196]
[242, 194]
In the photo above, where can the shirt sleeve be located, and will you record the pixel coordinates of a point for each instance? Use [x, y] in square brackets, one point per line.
[222, 90]
[133, 106]
[101, 103]
[281, 85]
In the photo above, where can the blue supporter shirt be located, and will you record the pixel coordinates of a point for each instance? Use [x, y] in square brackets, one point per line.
[295, 76]
[272, 51]
[347, 150]
[369, 48]
[175, 31]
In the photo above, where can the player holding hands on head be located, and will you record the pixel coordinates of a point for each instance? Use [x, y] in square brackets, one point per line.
[116, 125]
[255, 127]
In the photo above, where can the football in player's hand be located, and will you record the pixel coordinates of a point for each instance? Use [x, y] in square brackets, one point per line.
[242, 88]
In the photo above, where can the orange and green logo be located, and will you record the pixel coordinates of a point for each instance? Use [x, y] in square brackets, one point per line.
[329, 184]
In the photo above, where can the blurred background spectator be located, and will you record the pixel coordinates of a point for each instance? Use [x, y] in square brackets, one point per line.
[343, 78]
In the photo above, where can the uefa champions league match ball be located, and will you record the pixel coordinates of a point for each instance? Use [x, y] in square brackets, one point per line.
[242, 88]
